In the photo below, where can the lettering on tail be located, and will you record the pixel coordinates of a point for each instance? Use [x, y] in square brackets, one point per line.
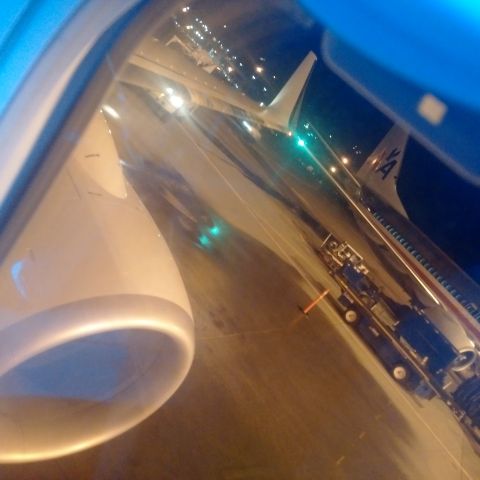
[390, 162]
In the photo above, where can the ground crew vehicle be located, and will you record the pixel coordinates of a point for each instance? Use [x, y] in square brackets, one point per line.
[408, 344]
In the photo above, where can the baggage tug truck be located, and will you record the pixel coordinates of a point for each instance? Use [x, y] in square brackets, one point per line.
[415, 353]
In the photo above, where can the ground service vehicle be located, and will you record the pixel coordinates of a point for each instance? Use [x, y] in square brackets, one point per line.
[412, 349]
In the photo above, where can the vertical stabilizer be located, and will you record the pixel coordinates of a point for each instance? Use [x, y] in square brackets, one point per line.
[381, 169]
[282, 112]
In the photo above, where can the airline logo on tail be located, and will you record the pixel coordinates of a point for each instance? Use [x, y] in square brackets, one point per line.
[386, 165]
[380, 171]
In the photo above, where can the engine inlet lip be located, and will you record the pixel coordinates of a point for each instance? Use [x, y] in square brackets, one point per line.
[66, 323]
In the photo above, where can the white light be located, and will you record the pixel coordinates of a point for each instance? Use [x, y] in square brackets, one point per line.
[224, 26]
[254, 77]
[290, 133]
[274, 76]
[259, 69]
[111, 111]
[247, 125]
[241, 64]
[333, 169]
[262, 104]
[264, 89]
[169, 90]
[189, 27]
[345, 160]
[176, 101]
[185, 9]
[230, 69]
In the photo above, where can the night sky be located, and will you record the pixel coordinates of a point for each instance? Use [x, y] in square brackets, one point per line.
[440, 203]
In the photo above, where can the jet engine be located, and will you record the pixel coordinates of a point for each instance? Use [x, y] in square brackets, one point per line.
[456, 335]
[96, 329]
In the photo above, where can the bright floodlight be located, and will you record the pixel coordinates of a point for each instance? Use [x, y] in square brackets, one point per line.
[169, 90]
[345, 160]
[259, 69]
[301, 142]
[176, 101]
[333, 169]
[111, 111]
[230, 69]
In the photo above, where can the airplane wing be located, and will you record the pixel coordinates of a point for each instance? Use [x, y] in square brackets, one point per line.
[153, 63]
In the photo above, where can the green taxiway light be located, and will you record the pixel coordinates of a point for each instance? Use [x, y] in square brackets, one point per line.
[301, 142]
[214, 231]
[203, 240]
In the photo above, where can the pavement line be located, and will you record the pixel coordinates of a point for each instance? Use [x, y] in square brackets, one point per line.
[340, 460]
[361, 435]
[220, 156]
[304, 276]
[247, 332]
[260, 221]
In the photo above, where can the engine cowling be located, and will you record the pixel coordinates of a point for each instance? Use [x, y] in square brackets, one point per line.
[456, 335]
[96, 329]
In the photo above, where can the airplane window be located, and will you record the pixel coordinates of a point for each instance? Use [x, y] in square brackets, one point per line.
[174, 302]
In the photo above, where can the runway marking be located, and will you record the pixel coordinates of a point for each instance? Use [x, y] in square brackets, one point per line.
[361, 435]
[238, 334]
[340, 460]
[301, 197]
[262, 223]
[351, 334]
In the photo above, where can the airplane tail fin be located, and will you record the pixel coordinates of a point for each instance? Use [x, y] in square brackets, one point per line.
[381, 169]
[284, 110]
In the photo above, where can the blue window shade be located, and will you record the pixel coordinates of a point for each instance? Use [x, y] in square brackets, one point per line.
[26, 30]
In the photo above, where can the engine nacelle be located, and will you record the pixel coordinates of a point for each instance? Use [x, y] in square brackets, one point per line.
[456, 335]
[96, 330]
